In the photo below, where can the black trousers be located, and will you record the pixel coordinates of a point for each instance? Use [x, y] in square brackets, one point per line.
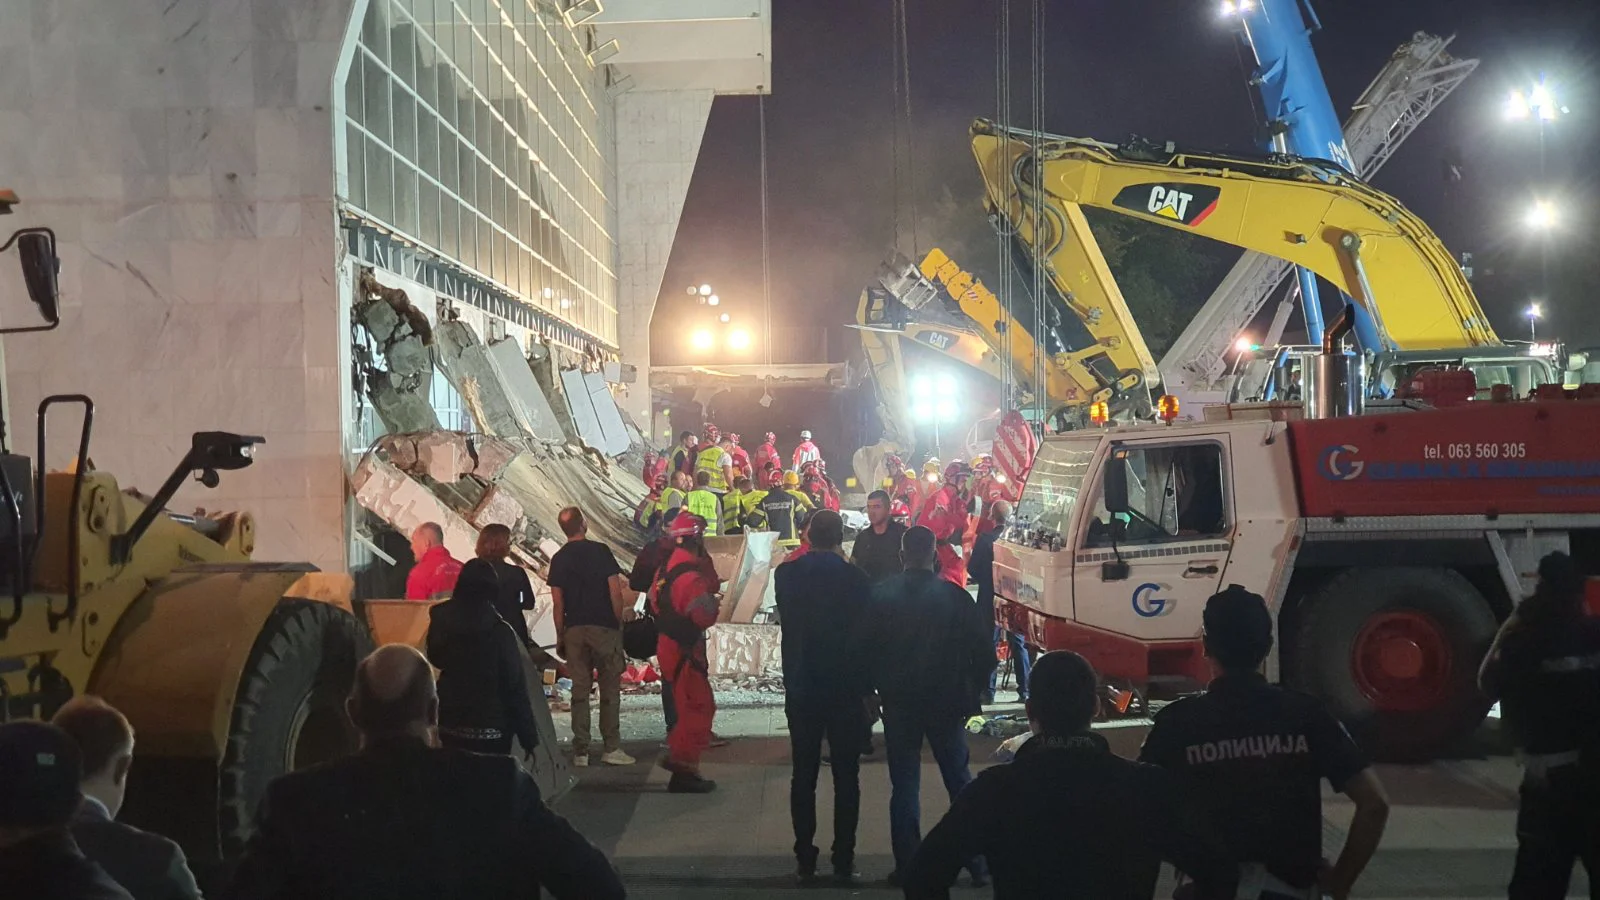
[1558, 824]
[840, 724]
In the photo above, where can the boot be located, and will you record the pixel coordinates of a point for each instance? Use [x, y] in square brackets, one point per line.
[689, 783]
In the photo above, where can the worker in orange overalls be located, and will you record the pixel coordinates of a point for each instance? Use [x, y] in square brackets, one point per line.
[945, 514]
[686, 605]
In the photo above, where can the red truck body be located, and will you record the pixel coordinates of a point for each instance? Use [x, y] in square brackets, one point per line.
[1476, 459]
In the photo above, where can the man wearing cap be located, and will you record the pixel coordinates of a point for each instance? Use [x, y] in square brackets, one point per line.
[1253, 756]
[1544, 668]
[805, 452]
[40, 767]
[686, 605]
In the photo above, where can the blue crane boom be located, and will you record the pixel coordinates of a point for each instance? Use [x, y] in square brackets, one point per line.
[1300, 118]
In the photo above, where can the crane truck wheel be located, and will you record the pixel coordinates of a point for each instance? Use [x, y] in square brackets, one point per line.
[289, 709]
[1394, 652]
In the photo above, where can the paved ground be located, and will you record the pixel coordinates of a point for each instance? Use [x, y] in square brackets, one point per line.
[1451, 834]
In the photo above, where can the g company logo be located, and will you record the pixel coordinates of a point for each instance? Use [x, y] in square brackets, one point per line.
[1339, 463]
[1146, 603]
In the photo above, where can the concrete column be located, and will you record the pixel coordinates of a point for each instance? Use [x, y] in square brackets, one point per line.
[658, 140]
[183, 151]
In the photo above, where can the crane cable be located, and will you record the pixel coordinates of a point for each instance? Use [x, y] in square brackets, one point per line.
[1039, 362]
[766, 251]
[894, 119]
[1002, 102]
[911, 142]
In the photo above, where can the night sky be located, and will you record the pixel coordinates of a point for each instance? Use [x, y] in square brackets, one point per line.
[1165, 69]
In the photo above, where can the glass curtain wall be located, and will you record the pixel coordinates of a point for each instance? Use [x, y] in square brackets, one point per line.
[478, 129]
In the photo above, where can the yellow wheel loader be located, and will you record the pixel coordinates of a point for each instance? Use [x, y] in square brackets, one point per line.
[232, 672]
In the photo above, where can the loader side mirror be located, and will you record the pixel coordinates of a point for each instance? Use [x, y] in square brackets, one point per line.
[36, 248]
[1116, 483]
[39, 269]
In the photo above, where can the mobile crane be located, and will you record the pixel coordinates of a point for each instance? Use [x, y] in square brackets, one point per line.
[1418, 77]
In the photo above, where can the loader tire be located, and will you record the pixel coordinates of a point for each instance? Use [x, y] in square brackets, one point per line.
[1394, 652]
[289, 709]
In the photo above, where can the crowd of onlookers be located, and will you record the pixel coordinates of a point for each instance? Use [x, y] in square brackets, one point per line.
[1227, 787]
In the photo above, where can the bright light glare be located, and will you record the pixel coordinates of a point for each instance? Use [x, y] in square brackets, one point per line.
[705, 290]
[713, 300]
[921, 386]
[1229, 7]
[724, 318]
[946, 385]
[703, 340]
[1518, 107]
[945, 409]
[1000, 478]
[922, 409]
[933, 477]
[1242, 345]
[1534, 311]
[739, 340]
[1542, 216]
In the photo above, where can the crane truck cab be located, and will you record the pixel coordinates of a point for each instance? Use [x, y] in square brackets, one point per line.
[1275, 374]
[1389, 544]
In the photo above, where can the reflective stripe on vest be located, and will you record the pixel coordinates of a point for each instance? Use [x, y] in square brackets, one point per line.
[704, 504]
[710, 461]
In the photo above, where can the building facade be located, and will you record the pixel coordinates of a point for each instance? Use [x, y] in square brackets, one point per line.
[217, 172]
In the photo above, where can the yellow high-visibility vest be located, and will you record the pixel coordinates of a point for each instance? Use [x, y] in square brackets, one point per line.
[710, 461]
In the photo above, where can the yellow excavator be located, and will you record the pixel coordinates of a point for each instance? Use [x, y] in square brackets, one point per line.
[1356, 237]
[231, 671]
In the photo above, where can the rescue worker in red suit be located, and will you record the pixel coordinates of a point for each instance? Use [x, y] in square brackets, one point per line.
[945, 514]
[805, 452]
[655, 466]
[741, 459]
[766, 454]
[686, 605]
[924, 488]
[435, 572]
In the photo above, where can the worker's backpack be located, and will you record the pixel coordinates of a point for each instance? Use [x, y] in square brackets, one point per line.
[669, 621]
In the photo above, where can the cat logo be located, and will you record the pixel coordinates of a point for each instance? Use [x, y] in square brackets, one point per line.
[1188, 204]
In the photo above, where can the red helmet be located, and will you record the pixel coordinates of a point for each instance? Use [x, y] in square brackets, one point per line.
[712, 431]
[661, 480]
[686, 526]
[982, 463]
[733, 436]
[957, 469]
[894, 464]
[771, 438]
[774, 477]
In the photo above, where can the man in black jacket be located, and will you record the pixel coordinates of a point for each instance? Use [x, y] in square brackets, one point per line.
[1069, 819]
[402, 819]
[931, 654]
[148, 866]
[39, 860]
[877, 547]
[822, 604]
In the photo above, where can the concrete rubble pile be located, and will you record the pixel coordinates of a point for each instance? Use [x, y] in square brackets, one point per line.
[550, 436]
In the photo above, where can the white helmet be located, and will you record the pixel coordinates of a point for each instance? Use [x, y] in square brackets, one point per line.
[805, 435]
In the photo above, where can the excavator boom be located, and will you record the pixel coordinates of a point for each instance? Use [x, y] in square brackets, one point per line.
[1358, 238]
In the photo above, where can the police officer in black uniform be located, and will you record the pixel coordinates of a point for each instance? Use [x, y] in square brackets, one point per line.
[1252, 755]
[1544, 667]
[1069, 819]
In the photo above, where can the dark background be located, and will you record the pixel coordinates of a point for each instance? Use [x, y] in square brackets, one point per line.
[1160, 68]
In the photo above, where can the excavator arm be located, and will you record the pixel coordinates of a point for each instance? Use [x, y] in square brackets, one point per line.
[1116, 365]
[1358, 238]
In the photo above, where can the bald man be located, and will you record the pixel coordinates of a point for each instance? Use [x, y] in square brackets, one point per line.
[406, 819]
[434, 574]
